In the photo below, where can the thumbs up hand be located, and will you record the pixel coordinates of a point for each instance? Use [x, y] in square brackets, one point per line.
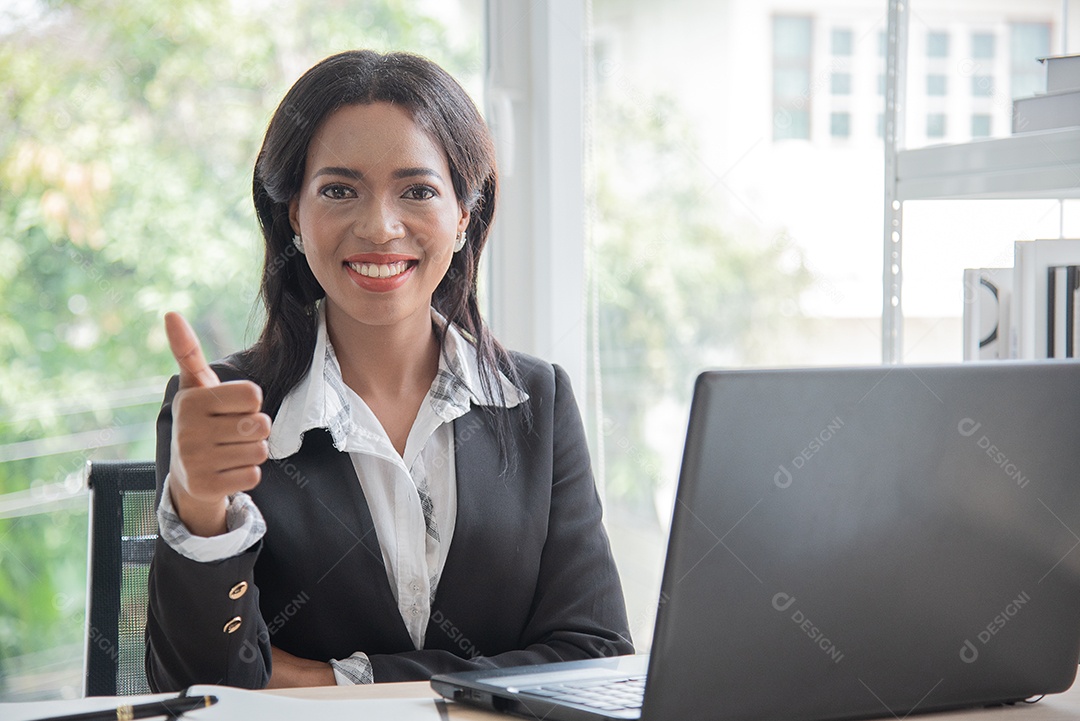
[218, 435]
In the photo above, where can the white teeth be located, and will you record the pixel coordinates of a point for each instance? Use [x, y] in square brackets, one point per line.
[379, 270]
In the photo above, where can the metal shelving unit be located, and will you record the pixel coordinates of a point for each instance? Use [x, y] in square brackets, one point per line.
[1042, 164]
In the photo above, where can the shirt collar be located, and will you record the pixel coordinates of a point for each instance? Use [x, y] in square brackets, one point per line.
[322, 400]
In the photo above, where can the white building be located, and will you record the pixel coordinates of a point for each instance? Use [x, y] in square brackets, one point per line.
[788, 100]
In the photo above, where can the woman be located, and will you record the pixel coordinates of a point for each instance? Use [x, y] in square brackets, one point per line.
[376, 490]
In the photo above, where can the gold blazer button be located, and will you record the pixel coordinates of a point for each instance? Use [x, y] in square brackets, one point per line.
[238, 590]
[232, 625]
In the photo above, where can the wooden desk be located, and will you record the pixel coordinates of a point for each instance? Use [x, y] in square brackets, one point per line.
[1058, 707]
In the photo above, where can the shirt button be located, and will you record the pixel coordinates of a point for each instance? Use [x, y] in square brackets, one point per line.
[232, 625]
[416, 587]
[238, 590]
[415, 611]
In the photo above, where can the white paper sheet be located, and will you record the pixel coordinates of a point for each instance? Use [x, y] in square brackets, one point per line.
[237, 704]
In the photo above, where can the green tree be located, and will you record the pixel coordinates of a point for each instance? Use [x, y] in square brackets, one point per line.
[680, 283]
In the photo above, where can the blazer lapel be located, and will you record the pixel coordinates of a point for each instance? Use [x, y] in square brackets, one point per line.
[476, 455]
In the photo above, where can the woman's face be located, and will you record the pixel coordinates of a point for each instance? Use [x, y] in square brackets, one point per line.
[378, 215]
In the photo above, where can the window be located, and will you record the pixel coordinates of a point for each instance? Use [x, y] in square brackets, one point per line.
[937, 45]
[882, 44]
[1027, 43]
[148, 135]
[881, 125]
[841, 84]
[980, 125]
[842, 41]
[881, 84]
[982, 86]
[791, 83]
[935, 84]
[792, 36]
[840, 125]
[792, 40]
[982, 45]
[935, 125]
[791, 124]
[737, 292]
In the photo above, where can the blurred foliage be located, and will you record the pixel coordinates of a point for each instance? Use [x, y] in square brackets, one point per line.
[128, 131]
[681, 284]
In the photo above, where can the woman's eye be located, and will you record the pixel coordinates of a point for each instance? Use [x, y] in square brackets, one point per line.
[337, 192]
[420, 192]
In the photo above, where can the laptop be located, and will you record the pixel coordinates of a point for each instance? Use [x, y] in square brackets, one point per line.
[851, 543]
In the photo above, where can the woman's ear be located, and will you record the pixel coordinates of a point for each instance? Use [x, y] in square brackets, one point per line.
[294, 214]
[463, 222]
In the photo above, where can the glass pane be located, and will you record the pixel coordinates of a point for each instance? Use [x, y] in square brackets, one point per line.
[982, 45]
[935, 125]
[840, 125]
[942, 238]
[791, 37]
[982, 86]
[792, 124]
[970, 59]
[841, 84]
[791, 82]
[129, 132]
[842, 40]
[992, 61]
[717, 239]
[1027, 43]
[937, 45]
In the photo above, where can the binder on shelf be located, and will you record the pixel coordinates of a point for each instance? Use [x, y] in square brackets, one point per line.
[1074, 308]
[1043, 306]
[1062, 73]
[1046, 112]
[987, 293]
[1056, 314]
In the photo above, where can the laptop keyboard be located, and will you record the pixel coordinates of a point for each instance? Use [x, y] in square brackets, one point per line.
[624, 694]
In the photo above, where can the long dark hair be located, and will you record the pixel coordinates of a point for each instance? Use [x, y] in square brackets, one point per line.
[289, 291]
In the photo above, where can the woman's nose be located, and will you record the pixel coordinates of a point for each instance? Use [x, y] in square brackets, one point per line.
[378, 222]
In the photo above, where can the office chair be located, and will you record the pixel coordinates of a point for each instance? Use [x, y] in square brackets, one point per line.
[123, 528]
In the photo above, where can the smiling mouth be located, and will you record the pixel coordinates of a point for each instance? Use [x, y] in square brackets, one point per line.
[381, 270]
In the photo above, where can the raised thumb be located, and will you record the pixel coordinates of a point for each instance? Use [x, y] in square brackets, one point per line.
[195, 372]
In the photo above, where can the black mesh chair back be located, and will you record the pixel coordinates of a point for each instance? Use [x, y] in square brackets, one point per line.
[123, 528]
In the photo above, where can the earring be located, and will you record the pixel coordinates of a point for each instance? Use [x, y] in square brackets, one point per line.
[298, 242]
[460, 242]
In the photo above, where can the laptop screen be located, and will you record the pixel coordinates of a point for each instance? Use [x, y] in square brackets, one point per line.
[873, 541]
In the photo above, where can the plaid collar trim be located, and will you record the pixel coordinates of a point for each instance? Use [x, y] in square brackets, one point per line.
[322, 400]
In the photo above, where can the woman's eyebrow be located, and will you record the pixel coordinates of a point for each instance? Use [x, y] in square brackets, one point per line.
[333, 170]
[357, 175]
[416, 172]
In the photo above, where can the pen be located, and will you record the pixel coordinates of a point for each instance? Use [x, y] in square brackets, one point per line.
[170, 708]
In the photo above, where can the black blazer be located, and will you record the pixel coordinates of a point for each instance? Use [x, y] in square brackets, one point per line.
[529, 577]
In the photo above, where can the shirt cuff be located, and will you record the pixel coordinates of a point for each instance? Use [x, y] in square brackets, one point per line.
[243, 520]
[354, 670]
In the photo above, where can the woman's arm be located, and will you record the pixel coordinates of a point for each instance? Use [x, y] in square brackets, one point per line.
[203, 622]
